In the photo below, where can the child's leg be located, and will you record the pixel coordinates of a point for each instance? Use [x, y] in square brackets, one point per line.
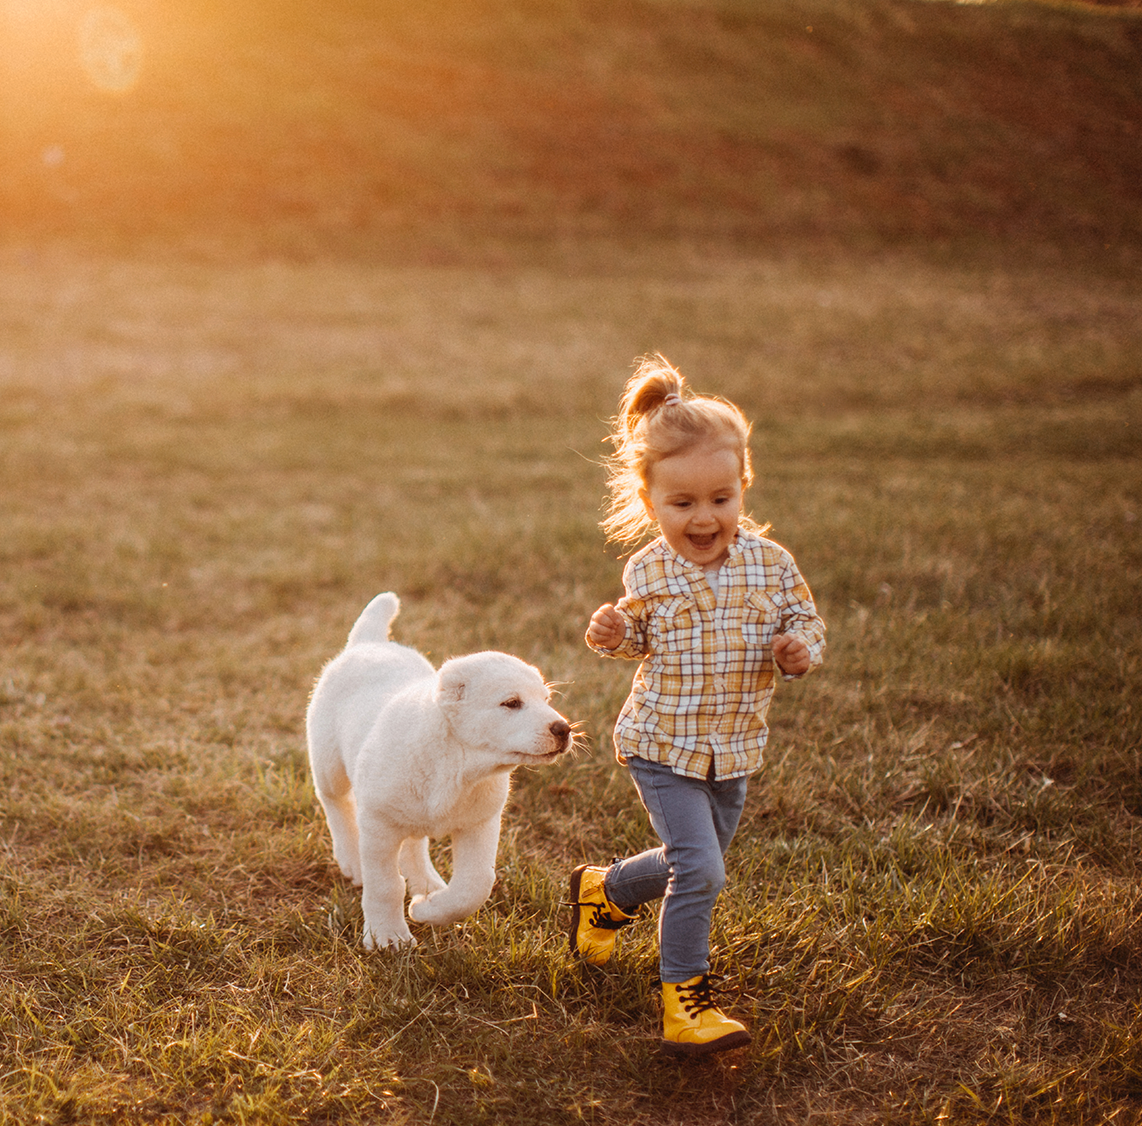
[695, 820]
[645, 877]
[638, 879]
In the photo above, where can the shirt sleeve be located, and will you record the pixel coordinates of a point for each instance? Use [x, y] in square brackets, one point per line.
[799, 615]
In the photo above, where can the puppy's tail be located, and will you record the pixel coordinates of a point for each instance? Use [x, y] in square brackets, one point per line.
[373, 624]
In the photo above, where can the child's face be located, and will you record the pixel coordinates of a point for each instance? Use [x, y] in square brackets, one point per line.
[696, 498]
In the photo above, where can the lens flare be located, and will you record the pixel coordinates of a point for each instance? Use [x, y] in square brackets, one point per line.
[110, 49]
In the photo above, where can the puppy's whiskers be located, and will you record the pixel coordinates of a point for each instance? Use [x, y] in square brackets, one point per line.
[578, 740]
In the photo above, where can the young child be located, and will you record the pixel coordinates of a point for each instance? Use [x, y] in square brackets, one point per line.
[710, 607]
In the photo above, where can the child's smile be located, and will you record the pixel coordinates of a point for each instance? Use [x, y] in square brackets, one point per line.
[696, 498]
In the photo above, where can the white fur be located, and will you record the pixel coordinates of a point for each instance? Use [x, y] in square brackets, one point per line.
[401, 753]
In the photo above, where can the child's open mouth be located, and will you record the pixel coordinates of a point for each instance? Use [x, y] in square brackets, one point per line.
[703, 541]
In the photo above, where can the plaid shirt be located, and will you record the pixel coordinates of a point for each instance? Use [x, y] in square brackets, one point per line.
[700, 696]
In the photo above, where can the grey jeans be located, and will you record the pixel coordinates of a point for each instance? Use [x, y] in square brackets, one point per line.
[695, 820]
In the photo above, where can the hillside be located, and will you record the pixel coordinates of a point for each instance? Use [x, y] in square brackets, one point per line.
[345, 124]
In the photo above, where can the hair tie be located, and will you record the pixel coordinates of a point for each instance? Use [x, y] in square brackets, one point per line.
[672, 400]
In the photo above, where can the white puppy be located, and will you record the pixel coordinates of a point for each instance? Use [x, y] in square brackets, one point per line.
[401, 753]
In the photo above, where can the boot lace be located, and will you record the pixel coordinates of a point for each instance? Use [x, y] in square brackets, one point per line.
[699, 997]
[602, 920]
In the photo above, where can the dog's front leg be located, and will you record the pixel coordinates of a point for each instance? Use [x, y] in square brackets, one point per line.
[382, 892]
[473, 876]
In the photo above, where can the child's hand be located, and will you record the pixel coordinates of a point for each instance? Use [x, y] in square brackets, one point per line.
[607, 628]
[791, 654]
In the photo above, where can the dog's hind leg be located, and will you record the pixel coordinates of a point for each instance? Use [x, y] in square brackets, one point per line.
[417, 868]
[336, 797]
[473, 877]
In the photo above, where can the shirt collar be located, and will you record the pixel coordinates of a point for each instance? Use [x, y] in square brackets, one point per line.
[680, 566]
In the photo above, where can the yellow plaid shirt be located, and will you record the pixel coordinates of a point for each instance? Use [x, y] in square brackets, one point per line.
[701, 694]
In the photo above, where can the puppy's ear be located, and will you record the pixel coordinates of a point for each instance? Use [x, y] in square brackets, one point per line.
[450, 684]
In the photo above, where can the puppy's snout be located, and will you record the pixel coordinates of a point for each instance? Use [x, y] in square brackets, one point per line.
[561, 730]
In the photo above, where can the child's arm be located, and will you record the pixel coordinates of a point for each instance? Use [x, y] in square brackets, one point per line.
[618, 631]
[800, 642]
[608, 627]
[791, 654]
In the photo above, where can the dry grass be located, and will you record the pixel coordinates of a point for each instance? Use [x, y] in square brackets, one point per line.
[207, 469]
[391, 128]
[335, 301]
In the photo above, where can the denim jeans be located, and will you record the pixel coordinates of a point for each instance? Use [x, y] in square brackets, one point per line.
[695, 820]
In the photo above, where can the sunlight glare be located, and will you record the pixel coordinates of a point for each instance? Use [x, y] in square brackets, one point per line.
[110, 49]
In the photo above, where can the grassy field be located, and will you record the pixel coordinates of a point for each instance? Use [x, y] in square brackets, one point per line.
[337, 299]
[406, 129]
[207, 469]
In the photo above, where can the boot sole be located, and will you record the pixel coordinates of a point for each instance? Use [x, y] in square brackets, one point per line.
[722, 1044]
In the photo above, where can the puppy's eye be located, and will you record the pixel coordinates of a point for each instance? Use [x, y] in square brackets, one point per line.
[515, 703]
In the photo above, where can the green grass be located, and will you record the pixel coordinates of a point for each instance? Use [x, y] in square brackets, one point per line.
[206, 470]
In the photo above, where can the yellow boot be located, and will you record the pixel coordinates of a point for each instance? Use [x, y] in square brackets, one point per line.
[595, 921]
[693, 1025]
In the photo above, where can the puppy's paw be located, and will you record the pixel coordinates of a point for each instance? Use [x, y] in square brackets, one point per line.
[420, 910]
[393, 939]
[440, 909]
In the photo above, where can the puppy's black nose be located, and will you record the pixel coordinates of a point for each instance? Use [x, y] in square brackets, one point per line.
[561, 729]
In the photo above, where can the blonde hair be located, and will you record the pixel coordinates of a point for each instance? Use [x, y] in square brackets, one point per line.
[657, 420]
